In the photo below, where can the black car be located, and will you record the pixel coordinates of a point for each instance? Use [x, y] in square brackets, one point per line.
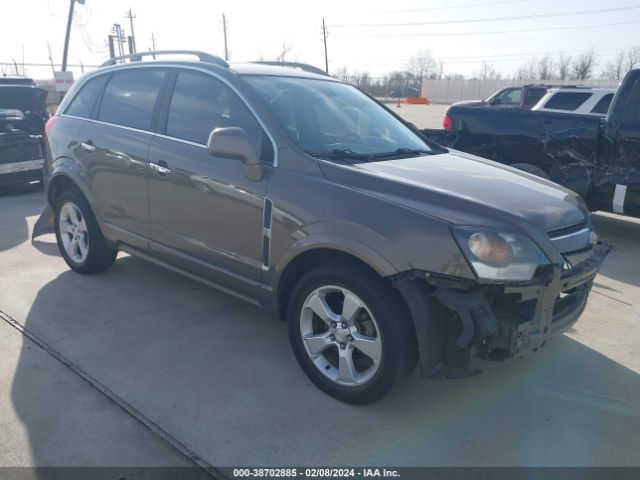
[405, 92]
[23, 114]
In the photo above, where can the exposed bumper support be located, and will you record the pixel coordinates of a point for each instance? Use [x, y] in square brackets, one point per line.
[455, 317]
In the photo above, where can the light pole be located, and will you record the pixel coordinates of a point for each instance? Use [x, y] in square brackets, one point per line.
[66, 37]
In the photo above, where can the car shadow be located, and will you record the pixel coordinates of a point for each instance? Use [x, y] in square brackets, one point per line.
[623, 233]
[219, 376]
[16, 204]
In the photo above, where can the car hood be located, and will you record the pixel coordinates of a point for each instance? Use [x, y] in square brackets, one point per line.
[25, 98]
[466, 190]
[469, 103]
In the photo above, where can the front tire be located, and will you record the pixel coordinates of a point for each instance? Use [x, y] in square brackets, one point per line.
[80, 240]
[351, 333]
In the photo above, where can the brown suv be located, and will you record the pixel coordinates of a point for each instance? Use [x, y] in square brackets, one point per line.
[301, 194]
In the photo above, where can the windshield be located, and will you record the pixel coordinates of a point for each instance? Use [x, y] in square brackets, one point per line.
[333, 119]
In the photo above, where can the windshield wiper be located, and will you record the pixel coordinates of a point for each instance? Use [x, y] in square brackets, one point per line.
[402, 151]
[341, 154]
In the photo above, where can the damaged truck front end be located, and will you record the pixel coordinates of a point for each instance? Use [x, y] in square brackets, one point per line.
[22, 119]
[457, 319]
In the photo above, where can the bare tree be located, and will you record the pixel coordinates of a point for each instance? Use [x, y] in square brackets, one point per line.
[285, 49]
[633, 59]
[487, 72]
[422, 65]
[583, 65]
[614, 70]
[439, 70]
[362, 80]
[545, 68]
[527, 71]
[563, 66]
[341, 73]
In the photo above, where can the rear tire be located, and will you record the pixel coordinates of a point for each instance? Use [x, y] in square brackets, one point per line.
[80, 240]
[360, 360]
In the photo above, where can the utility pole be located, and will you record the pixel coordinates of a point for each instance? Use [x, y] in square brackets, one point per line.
[66, 37]
[131, 16]
[112, 48]
[224, 28]
[120, 39]
[324, 38]
[153, 42]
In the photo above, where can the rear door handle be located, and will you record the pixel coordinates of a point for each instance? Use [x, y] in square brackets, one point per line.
[161, 168]
[88, 146]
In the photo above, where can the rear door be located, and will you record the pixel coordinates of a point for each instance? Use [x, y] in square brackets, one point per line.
[113, 150]
[206, 216]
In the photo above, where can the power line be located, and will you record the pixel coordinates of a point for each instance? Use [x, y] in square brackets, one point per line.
[448, 7]
[495, 32]
[521, 55]
[490, 19]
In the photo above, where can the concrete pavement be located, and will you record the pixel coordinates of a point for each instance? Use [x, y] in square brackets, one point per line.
[218, 375]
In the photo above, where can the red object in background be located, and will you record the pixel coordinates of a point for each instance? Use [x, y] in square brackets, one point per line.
[49, 126]
[417, 101]
[447, 123]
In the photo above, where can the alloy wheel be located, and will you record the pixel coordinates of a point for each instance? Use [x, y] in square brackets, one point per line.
[73, 233]
[340, 335]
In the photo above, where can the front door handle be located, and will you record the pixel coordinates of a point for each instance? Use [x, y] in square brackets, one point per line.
[88, 146]
[161, 168]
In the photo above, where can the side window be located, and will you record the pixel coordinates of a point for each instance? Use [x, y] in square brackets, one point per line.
[83, 103]
[512, 96]
[130, 97]
[602, 107]
[568, 101]
[201, 103]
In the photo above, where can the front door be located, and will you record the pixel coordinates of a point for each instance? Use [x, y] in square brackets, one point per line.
[206, 216]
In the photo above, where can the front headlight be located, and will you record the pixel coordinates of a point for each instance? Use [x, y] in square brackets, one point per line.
[496, 255]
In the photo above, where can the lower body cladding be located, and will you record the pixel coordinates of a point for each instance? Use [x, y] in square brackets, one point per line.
[456, 319]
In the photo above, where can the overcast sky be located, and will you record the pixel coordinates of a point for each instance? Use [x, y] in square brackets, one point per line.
[257, 29]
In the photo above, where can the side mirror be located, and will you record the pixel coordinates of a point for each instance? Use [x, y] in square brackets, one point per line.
[234, 143]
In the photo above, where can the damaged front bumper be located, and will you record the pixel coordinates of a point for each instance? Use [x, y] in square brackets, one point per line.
[494, 321]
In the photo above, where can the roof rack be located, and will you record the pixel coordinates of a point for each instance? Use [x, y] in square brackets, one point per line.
[301, 66]
[137, 57]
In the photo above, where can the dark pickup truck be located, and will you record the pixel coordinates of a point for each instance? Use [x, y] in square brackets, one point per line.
[23, 114]
[597, 158]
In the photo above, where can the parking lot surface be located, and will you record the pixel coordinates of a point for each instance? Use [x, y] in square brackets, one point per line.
[422, 116]
[218, 376]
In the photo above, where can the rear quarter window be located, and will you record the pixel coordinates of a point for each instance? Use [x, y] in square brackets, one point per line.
[602, 107]
[568, 101]
[83, 103]
[130, 98]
